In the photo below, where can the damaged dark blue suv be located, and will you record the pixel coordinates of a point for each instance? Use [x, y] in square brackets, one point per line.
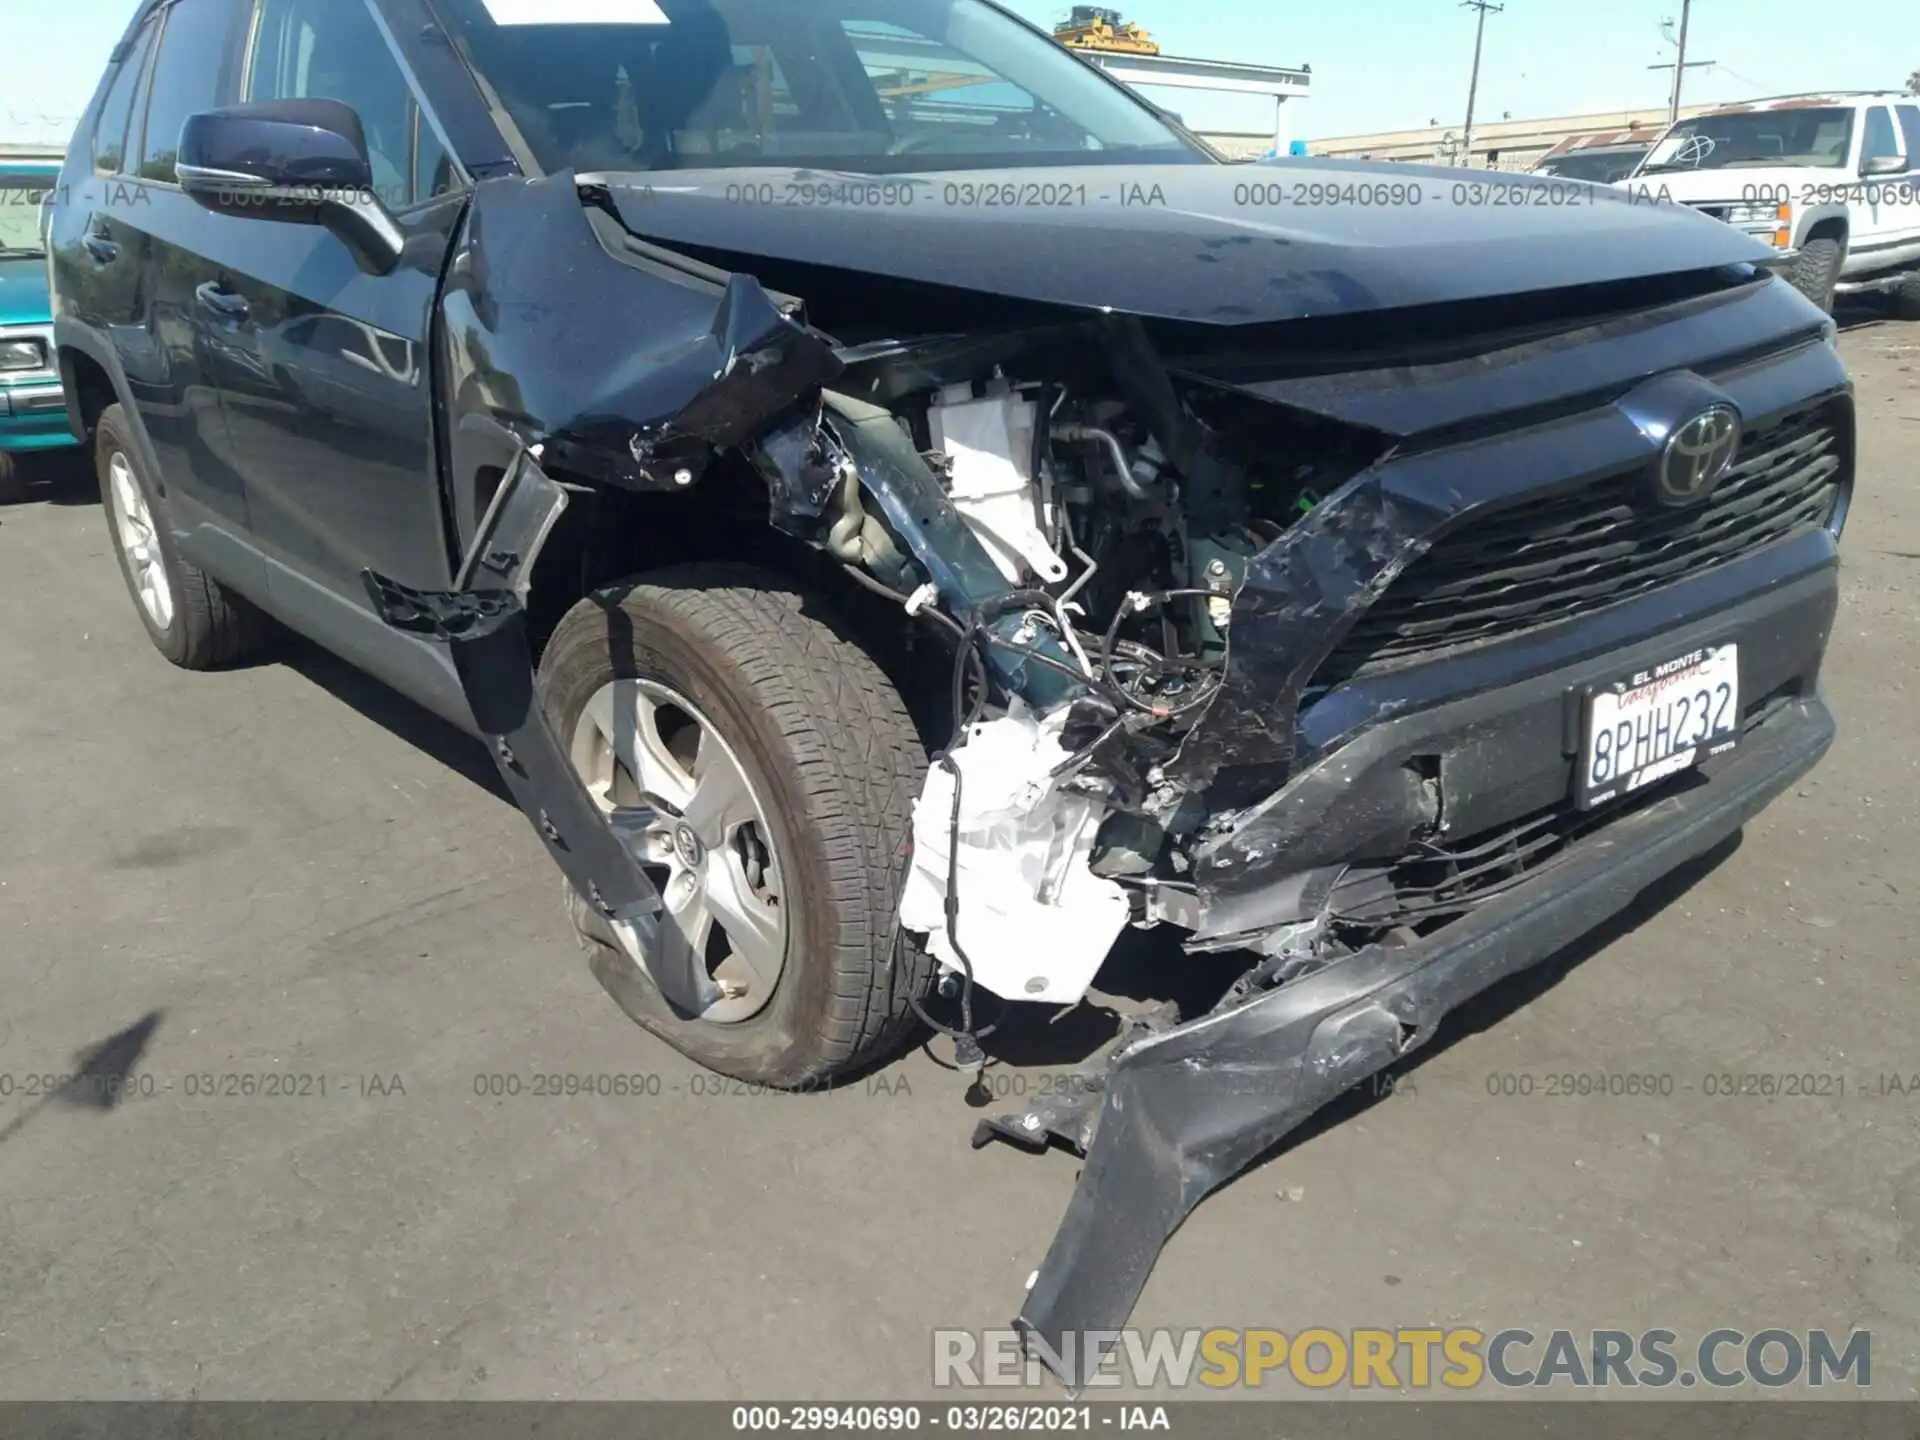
[900, 512]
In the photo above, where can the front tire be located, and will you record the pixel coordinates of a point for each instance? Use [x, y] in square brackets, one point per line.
[1816, 270]
[192, 619]
[1906, 299]
[708, 671]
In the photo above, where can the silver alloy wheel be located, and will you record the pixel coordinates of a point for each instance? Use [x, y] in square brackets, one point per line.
[686, 808]
[133, 525]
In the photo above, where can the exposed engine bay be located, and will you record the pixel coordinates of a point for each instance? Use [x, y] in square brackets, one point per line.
[1050, 824]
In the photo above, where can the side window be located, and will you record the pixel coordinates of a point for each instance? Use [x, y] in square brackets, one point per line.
[1881, 139]
[1910, 126]
[186, 79]
[333, 50]
[110, 130]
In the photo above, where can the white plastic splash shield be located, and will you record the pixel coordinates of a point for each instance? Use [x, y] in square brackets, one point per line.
[1034, 920]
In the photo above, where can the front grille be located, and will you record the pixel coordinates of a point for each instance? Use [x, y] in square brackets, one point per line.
[1547, 560]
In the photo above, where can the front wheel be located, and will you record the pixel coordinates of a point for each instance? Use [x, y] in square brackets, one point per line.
[1816, 270]
[765, 770]
[1906, 299]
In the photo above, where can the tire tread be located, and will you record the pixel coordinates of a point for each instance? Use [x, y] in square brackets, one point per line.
[858, 760]
[212, 626]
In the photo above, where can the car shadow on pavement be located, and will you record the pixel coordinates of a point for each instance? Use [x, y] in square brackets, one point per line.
[1862, 312]
[64, 477]
[419, 727]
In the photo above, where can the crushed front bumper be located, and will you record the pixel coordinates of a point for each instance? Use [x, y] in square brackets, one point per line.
[1182, 1112]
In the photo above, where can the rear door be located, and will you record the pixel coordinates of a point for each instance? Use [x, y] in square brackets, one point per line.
[325, 375]
[160, 232]
[130, 256]
[95, 248]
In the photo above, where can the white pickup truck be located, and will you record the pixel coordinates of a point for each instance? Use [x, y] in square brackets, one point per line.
[1830, 181]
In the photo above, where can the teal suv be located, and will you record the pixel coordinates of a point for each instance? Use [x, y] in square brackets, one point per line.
[33, 412]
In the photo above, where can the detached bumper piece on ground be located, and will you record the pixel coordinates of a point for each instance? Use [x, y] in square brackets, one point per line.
[1180, 1113]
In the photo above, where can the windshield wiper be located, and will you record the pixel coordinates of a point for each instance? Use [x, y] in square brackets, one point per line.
[22, 252]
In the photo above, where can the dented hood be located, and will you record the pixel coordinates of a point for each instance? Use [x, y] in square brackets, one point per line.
[1212, 244]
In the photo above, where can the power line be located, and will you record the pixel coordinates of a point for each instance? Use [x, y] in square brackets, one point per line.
[1473, 85]
[1761, 86]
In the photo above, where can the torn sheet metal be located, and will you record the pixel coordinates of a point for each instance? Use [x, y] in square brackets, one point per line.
[1300, 596]
[484, 626]
[801, 474]
[1034, 922]
[630, 373]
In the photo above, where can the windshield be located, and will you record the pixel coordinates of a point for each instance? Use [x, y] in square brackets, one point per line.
[20, 197]
[1820, 136]
[865, 85]
[1602, 166]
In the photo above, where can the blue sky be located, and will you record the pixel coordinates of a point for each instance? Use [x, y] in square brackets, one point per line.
[1377, 64]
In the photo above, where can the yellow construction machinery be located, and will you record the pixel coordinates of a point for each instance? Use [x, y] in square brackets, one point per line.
[1092, 28]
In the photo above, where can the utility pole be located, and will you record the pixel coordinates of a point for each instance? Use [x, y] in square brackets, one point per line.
[1473, 85]
[1681, 64]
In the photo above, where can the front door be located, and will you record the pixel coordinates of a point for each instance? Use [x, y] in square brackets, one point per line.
[325, 375]
[1904, 190]
[1881, 206]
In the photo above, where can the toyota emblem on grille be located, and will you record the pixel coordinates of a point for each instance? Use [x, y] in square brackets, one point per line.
[1698, 456]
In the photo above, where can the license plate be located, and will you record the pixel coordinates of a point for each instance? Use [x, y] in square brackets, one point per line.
[1658, 723]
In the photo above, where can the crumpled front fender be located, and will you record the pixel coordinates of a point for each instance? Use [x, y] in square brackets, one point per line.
[483, 623]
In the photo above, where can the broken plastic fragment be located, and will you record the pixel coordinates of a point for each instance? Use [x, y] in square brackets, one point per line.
[1034, 921]
[990, 444]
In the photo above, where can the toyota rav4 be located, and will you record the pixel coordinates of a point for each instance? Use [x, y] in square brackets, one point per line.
[900, 512]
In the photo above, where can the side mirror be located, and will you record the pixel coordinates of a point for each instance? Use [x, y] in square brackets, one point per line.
[302, 162]
[1883, 165]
